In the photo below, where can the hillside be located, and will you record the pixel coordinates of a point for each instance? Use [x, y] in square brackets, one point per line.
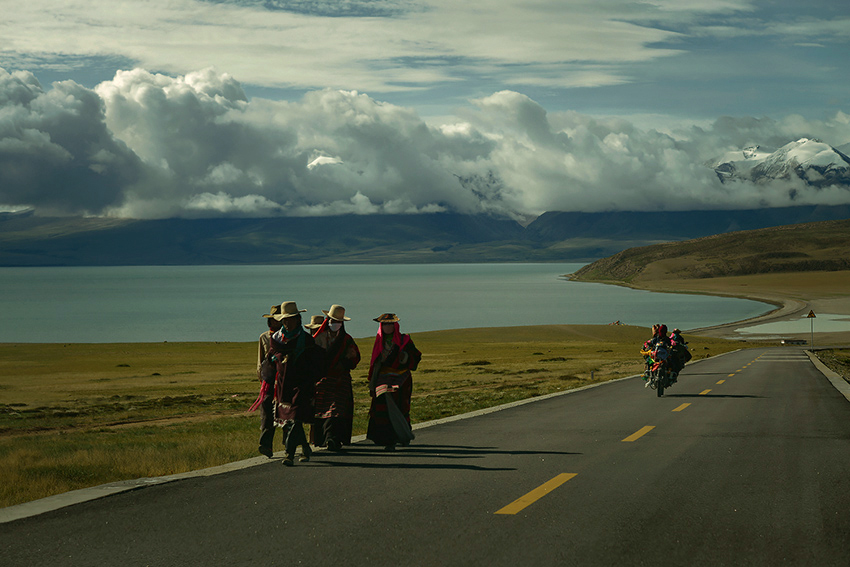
[33, 241]
[29, 240]
[820, 246]
[656, 226]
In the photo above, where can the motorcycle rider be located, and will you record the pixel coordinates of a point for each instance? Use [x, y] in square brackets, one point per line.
[676, 336]
[655, 344]
[679, 355]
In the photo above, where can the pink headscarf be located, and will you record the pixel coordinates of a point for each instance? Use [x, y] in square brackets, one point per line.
[377, 349]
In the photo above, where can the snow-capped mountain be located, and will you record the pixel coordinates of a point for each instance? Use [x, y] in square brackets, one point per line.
[816, 163]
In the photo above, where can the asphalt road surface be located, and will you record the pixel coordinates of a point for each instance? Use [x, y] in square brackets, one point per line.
[743, 462]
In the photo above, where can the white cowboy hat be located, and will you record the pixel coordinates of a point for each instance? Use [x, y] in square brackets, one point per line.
[315, 322]
[288, 309]
[273, 310]
[337, 313]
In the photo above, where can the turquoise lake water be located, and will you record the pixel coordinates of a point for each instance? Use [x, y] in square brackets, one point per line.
[226, 303]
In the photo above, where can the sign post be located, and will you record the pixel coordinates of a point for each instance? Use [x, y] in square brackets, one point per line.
[811, 317]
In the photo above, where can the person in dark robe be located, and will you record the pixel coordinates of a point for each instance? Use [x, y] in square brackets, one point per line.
[265, 402]
[334, 400]
[680, 354]
[293, 365]
[394, 356]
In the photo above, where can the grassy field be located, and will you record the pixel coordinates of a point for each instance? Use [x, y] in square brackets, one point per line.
[78, 415]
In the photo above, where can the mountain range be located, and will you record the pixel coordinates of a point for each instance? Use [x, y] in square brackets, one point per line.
[814, 162]
[30, 240]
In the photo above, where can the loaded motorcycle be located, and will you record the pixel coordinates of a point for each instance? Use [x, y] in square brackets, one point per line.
[658, 374]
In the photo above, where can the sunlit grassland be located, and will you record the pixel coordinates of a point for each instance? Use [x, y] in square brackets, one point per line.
[796, 285]
[78, 415]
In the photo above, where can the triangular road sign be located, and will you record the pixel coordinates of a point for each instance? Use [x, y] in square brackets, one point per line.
[811, 315]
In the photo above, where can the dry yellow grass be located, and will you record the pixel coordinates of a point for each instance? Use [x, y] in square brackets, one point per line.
[65, 373]
[806, 286]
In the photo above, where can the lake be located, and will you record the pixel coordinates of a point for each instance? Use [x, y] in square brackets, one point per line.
[226, 303]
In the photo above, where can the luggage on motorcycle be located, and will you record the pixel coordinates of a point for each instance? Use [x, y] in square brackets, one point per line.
[659, 354]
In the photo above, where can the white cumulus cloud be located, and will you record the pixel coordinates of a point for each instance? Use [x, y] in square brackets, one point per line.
[151, 145]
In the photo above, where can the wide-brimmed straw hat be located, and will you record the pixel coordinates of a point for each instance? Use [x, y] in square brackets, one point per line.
[288, 309]
[315, 322]
[387, 318]
[273, 310]
[336, 312]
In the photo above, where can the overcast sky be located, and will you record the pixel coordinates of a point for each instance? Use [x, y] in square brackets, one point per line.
[308, 107]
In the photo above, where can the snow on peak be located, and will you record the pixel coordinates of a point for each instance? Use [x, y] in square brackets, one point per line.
[813, 161]
[808, 153]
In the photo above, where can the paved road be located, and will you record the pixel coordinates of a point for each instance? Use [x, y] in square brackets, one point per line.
[744, 462]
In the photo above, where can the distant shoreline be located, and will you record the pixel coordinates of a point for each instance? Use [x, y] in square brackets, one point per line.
[787, 307]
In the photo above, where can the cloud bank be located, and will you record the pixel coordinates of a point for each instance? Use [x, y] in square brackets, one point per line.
[147, 145]
[682, 57]
[360, 44]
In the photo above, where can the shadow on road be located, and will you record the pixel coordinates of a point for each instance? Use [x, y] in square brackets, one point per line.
[407, 457]
[697, 374]
[709, 396]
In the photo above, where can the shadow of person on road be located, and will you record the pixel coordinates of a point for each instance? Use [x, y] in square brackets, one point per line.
[411, 457]
[711, 396]
[698, 374]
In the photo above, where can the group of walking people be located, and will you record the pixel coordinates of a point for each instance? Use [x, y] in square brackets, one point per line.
[305, 374]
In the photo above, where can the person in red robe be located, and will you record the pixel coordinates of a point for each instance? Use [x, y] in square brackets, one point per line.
[394, 356]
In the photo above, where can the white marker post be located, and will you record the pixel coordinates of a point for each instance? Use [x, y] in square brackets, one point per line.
[811, 317]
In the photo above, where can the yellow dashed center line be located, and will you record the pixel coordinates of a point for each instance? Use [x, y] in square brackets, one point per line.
[521, 503]
[639, 433]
